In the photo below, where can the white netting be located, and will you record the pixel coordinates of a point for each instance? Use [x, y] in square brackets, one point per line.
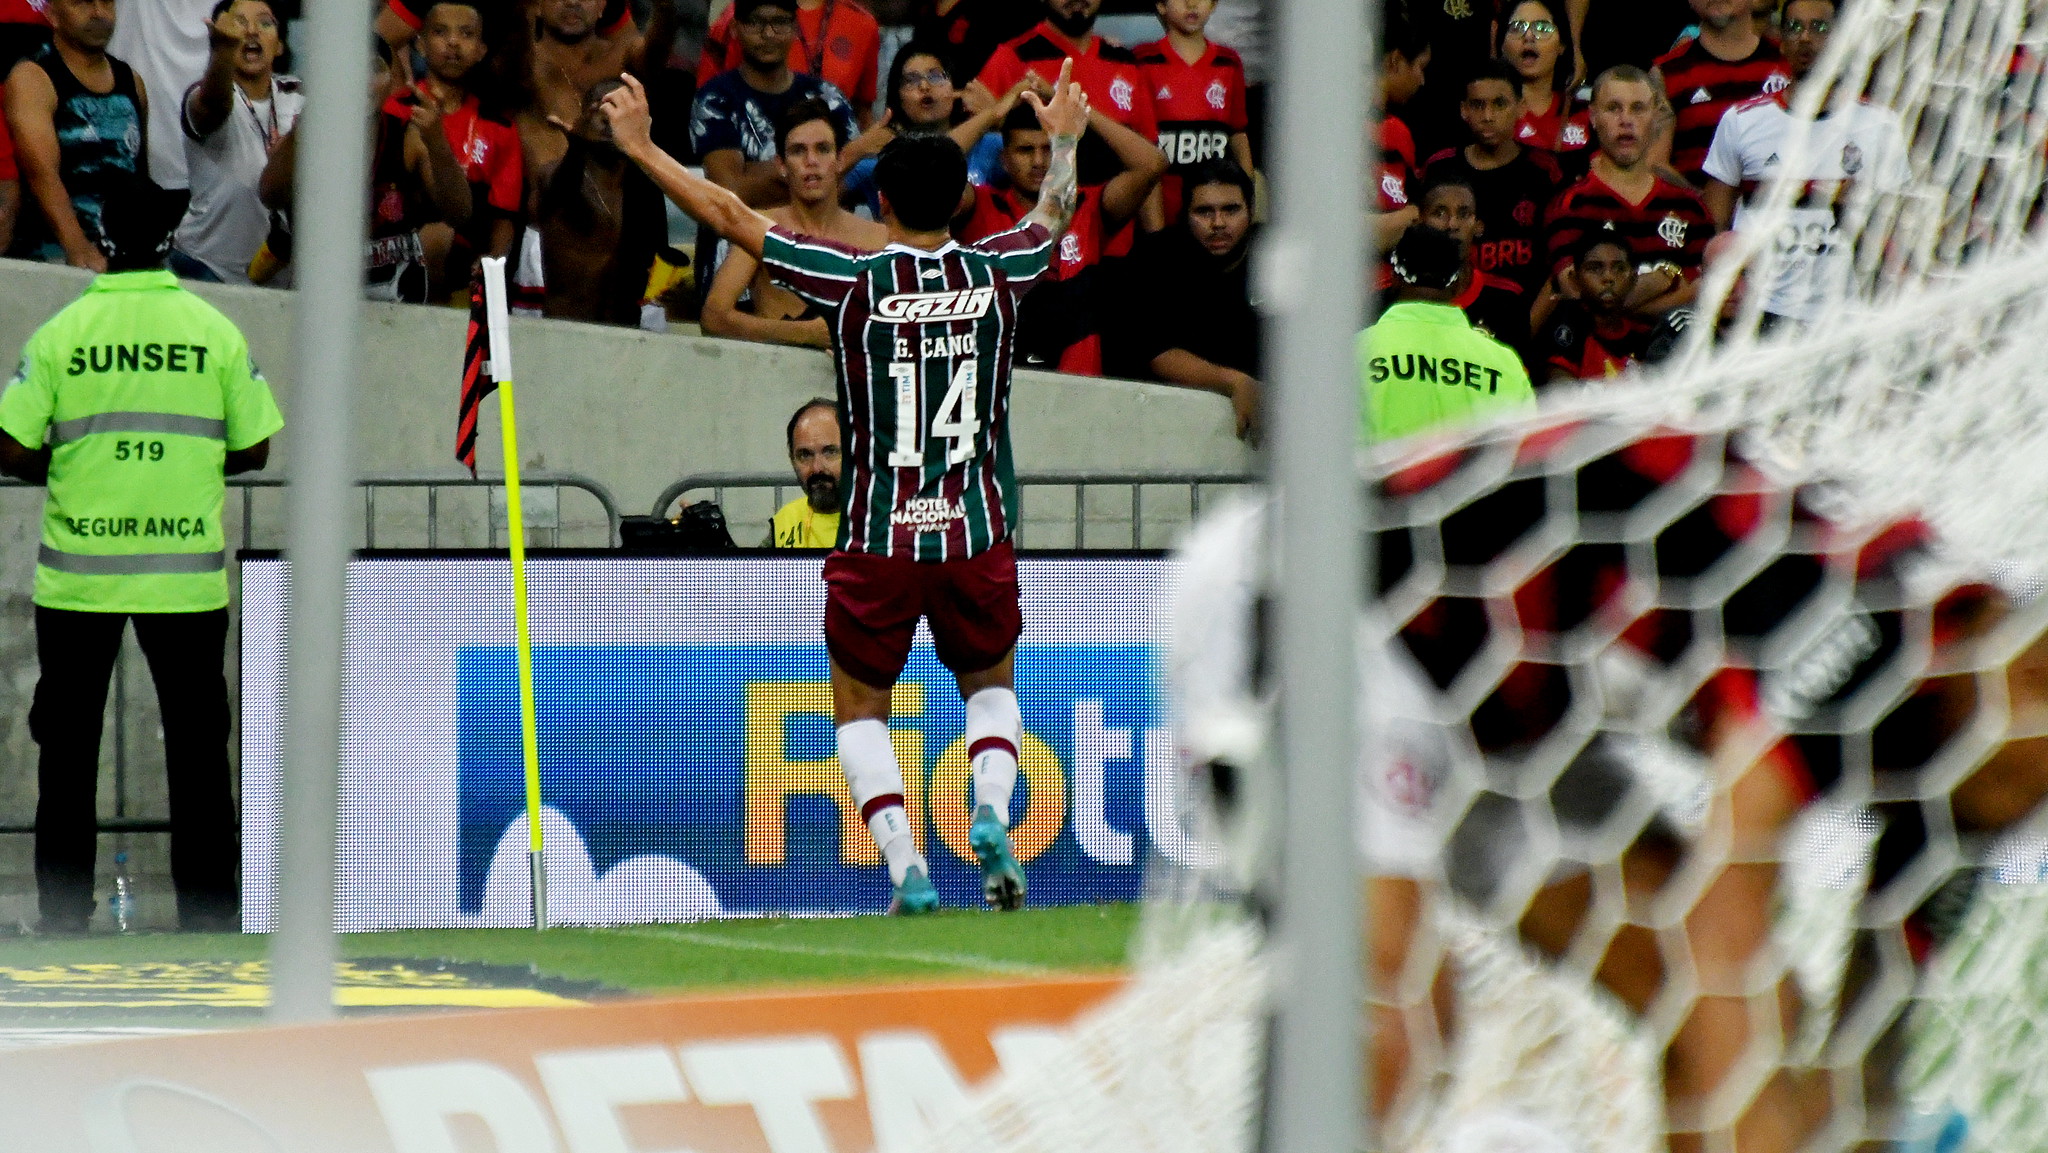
[1923, 386]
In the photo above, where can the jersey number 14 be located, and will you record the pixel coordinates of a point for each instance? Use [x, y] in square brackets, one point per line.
[955, 420]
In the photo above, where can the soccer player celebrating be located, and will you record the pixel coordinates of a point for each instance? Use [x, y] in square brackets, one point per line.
[921, 334]
[1861, 144]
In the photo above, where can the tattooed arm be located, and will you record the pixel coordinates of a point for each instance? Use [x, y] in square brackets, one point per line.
[1064, 118]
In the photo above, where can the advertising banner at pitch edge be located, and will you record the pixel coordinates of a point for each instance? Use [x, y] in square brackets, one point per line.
[687, 743]
[838, 1071]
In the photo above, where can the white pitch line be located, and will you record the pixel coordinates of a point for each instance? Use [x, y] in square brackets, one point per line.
[951, 960]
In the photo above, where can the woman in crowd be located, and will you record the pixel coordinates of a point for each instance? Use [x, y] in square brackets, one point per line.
[921, 100]
[1536, 40]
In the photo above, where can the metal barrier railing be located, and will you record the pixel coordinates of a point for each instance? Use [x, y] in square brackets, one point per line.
[432, 485]
[246, 488]
[1082, 484]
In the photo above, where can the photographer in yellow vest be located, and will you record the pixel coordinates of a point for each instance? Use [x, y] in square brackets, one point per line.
[132, 405]
[811, 520]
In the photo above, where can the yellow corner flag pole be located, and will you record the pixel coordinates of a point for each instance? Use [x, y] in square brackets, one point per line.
[529, 738]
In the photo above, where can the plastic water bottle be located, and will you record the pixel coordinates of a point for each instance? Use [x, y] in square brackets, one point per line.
[122, 903]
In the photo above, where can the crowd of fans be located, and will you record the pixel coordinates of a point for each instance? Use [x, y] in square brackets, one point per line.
[1573, 149]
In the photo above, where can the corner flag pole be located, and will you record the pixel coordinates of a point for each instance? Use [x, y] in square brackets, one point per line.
[529, 739]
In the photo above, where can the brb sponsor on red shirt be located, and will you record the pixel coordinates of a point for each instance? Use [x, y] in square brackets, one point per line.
[1199, 106]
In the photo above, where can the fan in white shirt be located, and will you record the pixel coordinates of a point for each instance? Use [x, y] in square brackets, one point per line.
[1859, 146]
[230, 122]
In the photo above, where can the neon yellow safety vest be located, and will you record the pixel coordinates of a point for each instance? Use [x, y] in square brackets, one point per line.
[139, 389]
[797, 525]
[1424, 365]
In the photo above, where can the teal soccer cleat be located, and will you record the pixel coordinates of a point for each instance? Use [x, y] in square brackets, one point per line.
[1002, 879]
[915, 895]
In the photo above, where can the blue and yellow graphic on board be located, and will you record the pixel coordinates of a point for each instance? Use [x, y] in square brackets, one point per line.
[721, 758]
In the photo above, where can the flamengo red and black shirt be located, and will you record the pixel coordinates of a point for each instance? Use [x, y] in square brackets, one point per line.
[1702, 87]
[1199, 106]
[1670, 224]
[923, 343]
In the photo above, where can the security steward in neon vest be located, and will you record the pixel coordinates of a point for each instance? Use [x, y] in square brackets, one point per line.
[132, 405]
[1423, 365]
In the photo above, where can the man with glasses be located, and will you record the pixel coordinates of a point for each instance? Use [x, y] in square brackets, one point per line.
[837, 41]
[1858, 147]
[733, 121]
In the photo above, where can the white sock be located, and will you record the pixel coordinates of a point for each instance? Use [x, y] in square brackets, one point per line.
[869, 761]
[995, 730]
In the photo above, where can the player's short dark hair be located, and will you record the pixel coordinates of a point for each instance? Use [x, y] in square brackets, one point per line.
[1499, 70]
[1218, 170]
[1020, 119]
[1622, 74]
[1595, 239]
[1442, 179]
[1426, 258]
[742, 9]
[921, 177]
[789, 436]
[803, 112]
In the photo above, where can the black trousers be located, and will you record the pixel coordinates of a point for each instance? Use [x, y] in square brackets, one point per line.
[185, 651]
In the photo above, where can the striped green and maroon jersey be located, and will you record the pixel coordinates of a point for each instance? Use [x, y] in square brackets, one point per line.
[923, 342]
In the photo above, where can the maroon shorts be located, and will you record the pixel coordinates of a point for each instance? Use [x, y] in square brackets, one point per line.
[872, 604]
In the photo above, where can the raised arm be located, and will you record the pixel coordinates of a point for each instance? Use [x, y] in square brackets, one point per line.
[1143, 165]
[432, 159]
[210, 101]
[1063, 118]
[711, 206]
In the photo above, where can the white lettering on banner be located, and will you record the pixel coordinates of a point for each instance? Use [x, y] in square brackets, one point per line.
[1094, 747]
[920, 307]
[779, 1079]
[912, 1087]
[419, 1102]
[588, 1087]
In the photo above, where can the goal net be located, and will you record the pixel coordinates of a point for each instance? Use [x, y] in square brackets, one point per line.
[1721, 812]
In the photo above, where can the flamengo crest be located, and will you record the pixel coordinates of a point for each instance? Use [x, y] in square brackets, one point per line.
[1216, 94]
[1120, 91]
[918, 307]
[1673, 231]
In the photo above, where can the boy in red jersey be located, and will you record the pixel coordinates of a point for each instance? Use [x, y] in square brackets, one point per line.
[1592, 336]
[485, 144]
[1198, 95]
[921, 333]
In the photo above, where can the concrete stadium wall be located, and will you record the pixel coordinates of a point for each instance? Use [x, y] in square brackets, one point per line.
[632, 410]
